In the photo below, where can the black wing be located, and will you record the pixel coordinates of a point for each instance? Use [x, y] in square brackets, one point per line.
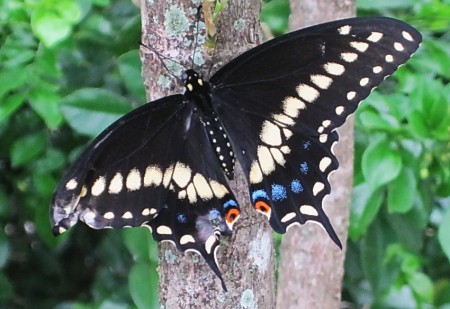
[153, 167]
[281, 102]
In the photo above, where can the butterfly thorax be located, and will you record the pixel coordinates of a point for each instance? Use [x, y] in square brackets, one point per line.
[198, 93]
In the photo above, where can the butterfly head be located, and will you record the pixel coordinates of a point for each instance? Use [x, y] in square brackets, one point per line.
[193, 82]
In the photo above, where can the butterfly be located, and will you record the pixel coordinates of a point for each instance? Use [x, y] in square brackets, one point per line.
[275, 109]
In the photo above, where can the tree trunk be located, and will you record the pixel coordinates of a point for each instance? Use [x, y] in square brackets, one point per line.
[312, 267]
[247, 258]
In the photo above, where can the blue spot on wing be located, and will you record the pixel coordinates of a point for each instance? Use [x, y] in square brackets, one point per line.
[230, 203]
[181, 218]
[304, 168]
[296, 186]
[259, 194]
[307, 145]
[278, 192]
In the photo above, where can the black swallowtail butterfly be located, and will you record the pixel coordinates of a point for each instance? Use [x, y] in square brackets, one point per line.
[274, 108]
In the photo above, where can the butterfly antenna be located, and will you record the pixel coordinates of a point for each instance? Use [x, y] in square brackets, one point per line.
[163, 60]
[197, 23]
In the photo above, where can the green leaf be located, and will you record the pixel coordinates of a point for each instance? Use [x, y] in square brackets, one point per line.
[49, 27]
[6, 287]
[143, 286]
[10, 104]
[380, 272]
[383, 4]
[46, 104]
[138, 242]
[422, 286]
[380, 164]
[28, 148]
[418, 125]
[444, 233]
[402, 192]
[12, 78]
[89, 111]
[44, 183]
[275, 14]
[53, 22]
[4, 252]
[374, 121]
[365, 206]
[130, 71]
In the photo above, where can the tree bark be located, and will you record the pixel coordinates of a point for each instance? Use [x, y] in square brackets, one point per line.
[247, 258]
[311, 266]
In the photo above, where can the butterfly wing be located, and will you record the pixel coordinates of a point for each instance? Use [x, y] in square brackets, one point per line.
[281, 102]
[146, 169]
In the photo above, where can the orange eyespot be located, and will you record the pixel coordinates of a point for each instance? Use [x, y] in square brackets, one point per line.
[232, 215]
[262, 207]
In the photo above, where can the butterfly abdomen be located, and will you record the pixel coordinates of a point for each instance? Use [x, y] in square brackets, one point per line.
[198, 94]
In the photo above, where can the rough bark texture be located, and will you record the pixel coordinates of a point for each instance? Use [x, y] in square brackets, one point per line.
[247, 259]
[312, 267]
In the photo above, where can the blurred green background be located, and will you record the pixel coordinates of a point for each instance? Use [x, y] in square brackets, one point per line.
[70, 67]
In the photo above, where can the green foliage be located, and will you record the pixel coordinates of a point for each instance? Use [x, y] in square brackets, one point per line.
[400, 213]
[69, 68]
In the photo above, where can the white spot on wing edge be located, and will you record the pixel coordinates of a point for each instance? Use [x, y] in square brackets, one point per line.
[344, 30]
[164, 230]
[321, 81]
[407, 36]
[255, 175]
[153, 176]
[99, 186]
[127, 215]
[307, 93]
[278, 156]
[288, 217]
[292, 106]
[334, 68]
[209, 243]
[389, 58]
[187, 239]
[265, 160]
[71, 184]
[359, 46]
[339, 110]
[399, 46]
[351, 95]
[364, 81]
[202, 187]
[167, 176]
[133, 181]
[218, 189]
[349, 57]
[109, 215]
[308, 210]
[116, 184]
[181, 174]
[318, 187]
[270, 134]
[375, 36]
[377, 69]
[324, 163]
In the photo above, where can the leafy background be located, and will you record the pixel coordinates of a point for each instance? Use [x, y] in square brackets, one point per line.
[70, 67]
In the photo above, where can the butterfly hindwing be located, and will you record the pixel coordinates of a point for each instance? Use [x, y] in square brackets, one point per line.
[281, 102]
